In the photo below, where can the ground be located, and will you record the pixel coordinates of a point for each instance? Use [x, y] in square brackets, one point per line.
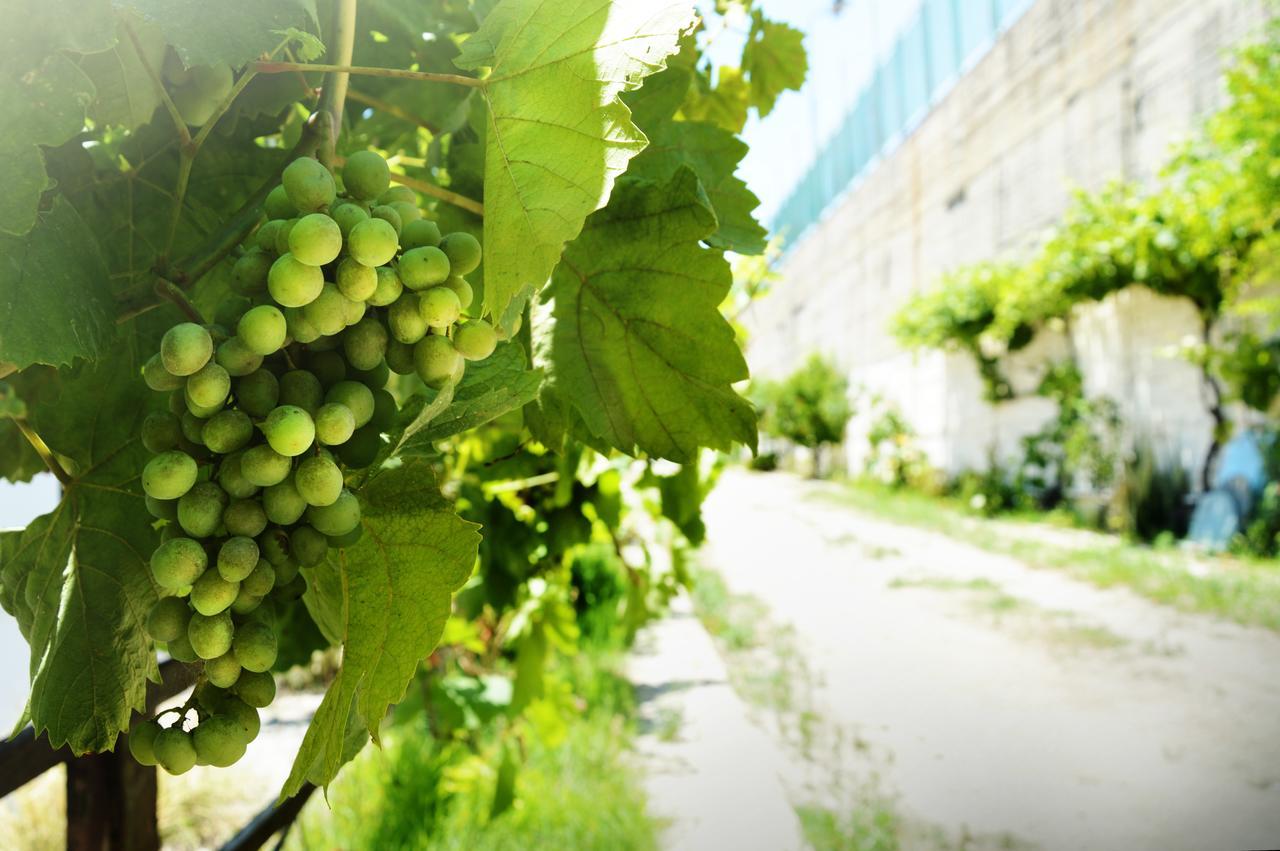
[907, 685]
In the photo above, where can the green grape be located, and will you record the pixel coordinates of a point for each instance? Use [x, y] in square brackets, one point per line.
[389, 215]
[261, 580]
[318, 480]
[435, 360]
[475, 340]
[388, 288]
[293, 283]
[227, 431]
[274, 545]
[217, 333]
[266, 236]
[174, 750]
[384, 410]
[282, 240]
[208, 387]
[178, 402]
[365, 344]
[286, 572]
[185, 348]
[334, 424]
[232, 479]
[262, 329]
[419, 233]
[201, 411]
[168, 618]
[366, 175]
[339, 542]
[278, 205]
[256, 688]
[142, 741]
[257, 392]
[244, 603]
[180, 648]
[308, 546]
[249, 274]
[423, 267]
[261, 465]
[237, 558]
[255, 646]
[290, 430]
[462, 289]
[327, 311]
[161, 431]
[237, 358]
[161, 509]
[398, 192]
[352, 311]
[463, 251]
[200, 509]
[211, 594]
[373, 243]
[242, 713]
[375, 378]
[348, 215]
[407, 211]
[337, 518]
[309, 185]
[169, 475]
[404, 319]
[399, 357]
[301, 389]
[355, 396]
[157, 377]
[244, 518]
[356, 281]
[329, 367]
[299, 327]
[210, 635]
[192, 428]
[439, 306]
[363, 447]
[219, 741]
[315, 240]
[222, 671]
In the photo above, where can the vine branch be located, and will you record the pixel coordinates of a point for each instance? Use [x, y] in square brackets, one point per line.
[167, 290]
[169, 105]
[42, 449]
[265, 67]
[446, 195]
[333, 92]
[391, 109]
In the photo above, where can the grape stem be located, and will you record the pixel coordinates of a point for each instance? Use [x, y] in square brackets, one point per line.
[334, 90]
[468, 204]
[391, 109]
[169, 106]
[42, 449]
[367, 71]
[168, 290]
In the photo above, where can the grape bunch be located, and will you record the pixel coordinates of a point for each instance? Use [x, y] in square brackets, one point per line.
[270, 409]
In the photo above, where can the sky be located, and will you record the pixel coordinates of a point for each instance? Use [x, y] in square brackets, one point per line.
[19, 505]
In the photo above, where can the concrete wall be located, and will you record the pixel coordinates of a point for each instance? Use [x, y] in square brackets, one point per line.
[1076, 93]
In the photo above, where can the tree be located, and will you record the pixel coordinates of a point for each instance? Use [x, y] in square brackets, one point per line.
[810, 407]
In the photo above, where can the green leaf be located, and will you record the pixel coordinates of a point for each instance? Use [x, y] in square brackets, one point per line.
[228, 31]
[773, 61]
[639, 348]
[77, 580]
[557, 135]
[55, 302]
[127, 96]
[397, 584]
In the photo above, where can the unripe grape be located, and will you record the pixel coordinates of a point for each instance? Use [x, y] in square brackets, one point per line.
[210, 635]
[174, 750]
[375, 378]
[356, 281]
[157, 377]
[419, 233]
[211, 594]
[373, 242]
[242, 713]
[185, 348]
[180, 648]
[300, 328]
[200, 509]
[423, 267]
[308, 546]
[255, 646]
[257, 393]
[337, 518]
[404, 319]
[302, 390]
[263, 466]
[463, 251]
[222, 671]
[398, 192]
[142, 741]
[161, 431]
[237, 558]
[245, 602]
[309, 185]
[327, 311]
[389, 215]
[315, 240]
[256, 688]
[362, 449]
[350, 539]
[192, 428]
[227, 431]
[169, 475]
[178, 401]
[384, 410]
[329, 367]
[282, 240]
[232, 479]
[388, 287]
[244, 518]
[178, 562]
[318, 480]
[352, 311]
[262, 329]
[439, 306]
[435, 360]
[334, 424]
[366, 175]
[347, 216]
[355, 396]
[475, 340]
[168, 618]
[208, 387]
[399, 357]
[237, 358]
[261, 580]
[278, 205]
[289, 430]
[407, 211]
[161, 509]
[265, 238]
[293, 283]
[219, 741]
[249, 274]
[462, 289]
[365, 344]
[286, 572]
[201, 411]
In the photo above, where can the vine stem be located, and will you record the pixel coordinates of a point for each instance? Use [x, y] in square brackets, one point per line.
[166, 289]
[333, 92]
[42, 449]
[468, 204]
[390, 109]
[169, 105]
[269, 67]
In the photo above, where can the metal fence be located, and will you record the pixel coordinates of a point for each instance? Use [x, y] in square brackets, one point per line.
[945, 39]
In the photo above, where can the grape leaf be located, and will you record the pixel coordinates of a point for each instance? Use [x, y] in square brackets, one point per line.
[228, 31]
[397, 583]
[126, 94]
[77, 580]
[54, 278]
[557, 136]
[773, 61]
[639, 348]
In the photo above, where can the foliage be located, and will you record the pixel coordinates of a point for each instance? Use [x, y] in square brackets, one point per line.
[1150, 499]
[894, 456]
[810, 407]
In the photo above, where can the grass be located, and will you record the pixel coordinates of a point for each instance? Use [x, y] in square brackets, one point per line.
[875, 828]
[1246, 591]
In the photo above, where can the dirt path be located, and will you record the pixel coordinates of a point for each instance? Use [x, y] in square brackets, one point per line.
[1004, 700]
